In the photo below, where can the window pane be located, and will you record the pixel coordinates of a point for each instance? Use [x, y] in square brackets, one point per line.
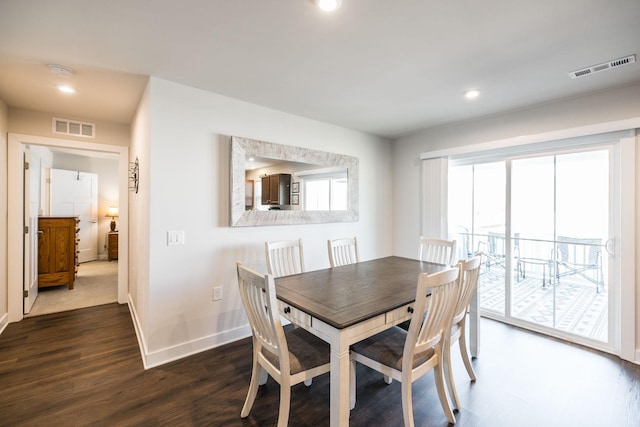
[316, 195]
[461, 209]
[339, 191]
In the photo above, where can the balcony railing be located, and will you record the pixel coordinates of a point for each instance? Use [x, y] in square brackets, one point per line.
[559, 283]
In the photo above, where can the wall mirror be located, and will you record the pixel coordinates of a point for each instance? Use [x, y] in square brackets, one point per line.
[290, 185]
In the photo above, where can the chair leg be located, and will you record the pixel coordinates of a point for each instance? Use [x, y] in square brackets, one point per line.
[464, 352]
[448, 376]
[256, 373]
[285, 403]
[352, 384]
[388, 379]
[308, 382]
[407, 403]
[442, 394]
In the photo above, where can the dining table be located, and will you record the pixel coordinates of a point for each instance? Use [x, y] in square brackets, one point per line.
[344, 305]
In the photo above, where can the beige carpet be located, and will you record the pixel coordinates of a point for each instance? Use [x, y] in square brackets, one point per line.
[95, 284]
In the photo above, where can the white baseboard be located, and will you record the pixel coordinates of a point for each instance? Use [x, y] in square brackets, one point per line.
[169, 354]
[190, 348]
[138, 329]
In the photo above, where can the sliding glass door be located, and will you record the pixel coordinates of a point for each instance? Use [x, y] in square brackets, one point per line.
[477, 195]
[542, 223]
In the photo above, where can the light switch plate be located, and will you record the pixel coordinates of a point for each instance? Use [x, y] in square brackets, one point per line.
[175, 237]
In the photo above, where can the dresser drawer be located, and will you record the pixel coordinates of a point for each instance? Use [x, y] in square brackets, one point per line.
[294, 315]
[398, 315]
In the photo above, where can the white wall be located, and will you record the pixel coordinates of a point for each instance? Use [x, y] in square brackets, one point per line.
[188, 186]
[614, 105]
[4, 309]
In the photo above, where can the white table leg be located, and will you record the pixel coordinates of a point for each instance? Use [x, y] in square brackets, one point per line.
[474, 325]
[340, 366]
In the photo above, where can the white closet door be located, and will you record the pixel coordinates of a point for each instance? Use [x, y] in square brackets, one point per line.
[76, 194]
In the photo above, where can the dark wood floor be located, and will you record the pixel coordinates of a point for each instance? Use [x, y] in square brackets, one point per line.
[83, 367]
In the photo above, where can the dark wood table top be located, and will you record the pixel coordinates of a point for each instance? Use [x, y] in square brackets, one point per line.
[344, 296]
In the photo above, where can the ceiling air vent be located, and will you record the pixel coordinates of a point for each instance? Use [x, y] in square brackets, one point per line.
[74, 128]
[603, 67]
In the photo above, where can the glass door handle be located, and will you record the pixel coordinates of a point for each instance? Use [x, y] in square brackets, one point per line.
[609, 246]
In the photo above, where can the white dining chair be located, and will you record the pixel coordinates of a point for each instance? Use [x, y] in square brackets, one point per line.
[470, 271]
[439, 251]
[284, 257]
[343, 251]
[288, 357]
[407, 355]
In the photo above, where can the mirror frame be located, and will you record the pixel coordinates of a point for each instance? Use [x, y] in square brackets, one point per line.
[243, 147]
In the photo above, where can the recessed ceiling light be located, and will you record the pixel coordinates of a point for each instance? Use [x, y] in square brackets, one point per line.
[328, 5]
[472, 93]
[66, 89]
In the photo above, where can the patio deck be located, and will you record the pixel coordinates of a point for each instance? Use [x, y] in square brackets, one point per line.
[579, 310]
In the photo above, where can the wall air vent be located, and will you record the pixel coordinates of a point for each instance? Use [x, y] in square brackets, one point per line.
[603, 67]
[74, 128]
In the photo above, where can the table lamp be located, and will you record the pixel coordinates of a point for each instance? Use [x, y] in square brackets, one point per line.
[113, 213]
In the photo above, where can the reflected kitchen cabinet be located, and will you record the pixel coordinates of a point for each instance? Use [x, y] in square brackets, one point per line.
[276, 189]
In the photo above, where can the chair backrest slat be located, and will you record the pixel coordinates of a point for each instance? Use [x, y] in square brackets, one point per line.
[259, 299]
[432, 314]
[343, 251]
[437, 250]
[284, 258]
[469, 274]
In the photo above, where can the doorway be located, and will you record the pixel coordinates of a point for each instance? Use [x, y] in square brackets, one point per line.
[16, 145]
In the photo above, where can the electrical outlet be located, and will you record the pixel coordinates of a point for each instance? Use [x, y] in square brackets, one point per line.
[217, 293]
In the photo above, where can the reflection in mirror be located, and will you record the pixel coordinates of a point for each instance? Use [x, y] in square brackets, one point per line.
[290, 185]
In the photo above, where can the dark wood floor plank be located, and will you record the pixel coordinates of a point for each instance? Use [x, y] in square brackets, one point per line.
[83, 367]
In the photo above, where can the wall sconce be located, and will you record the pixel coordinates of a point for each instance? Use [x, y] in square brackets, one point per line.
[134, 175]
[112, 212]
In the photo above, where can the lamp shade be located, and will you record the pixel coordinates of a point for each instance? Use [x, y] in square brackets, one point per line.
[112, 212]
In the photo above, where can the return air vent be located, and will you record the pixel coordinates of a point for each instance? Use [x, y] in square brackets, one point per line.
[75, 128]
[603, 67]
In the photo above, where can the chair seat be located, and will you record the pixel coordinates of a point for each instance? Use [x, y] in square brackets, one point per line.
[306, 351]
[387, 348]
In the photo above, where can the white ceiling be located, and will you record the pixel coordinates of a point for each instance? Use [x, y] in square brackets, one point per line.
[385, 67]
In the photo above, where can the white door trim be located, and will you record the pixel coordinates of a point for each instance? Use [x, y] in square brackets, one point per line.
[15, 220]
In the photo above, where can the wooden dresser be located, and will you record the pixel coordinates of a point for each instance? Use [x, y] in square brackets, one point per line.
[112, 245]
[57, 251]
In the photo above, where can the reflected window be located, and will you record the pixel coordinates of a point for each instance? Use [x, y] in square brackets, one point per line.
[326, 192]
